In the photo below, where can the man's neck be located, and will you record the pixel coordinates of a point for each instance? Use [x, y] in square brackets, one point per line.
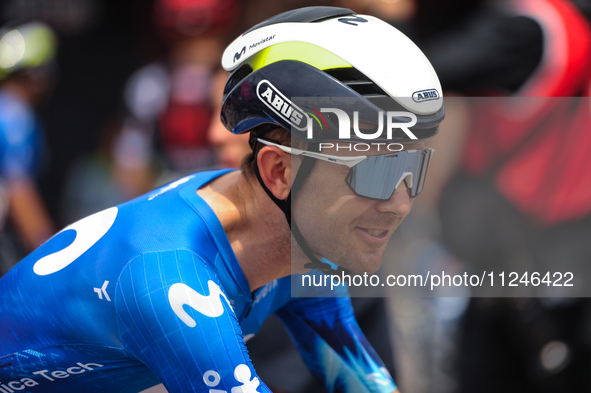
[255, 226]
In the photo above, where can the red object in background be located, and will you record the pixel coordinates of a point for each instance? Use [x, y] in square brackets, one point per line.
[564, 69]
[536, 146]
[185, 125]
[192, 17]
[538, 152]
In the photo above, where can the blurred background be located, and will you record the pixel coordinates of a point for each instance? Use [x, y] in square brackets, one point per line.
[103, 100]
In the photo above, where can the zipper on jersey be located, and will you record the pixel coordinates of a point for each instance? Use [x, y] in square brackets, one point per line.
[252, 295]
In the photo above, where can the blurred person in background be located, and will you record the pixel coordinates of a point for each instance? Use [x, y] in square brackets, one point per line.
[27, 70]
[121, 169]
[168, 101]
[519, 190]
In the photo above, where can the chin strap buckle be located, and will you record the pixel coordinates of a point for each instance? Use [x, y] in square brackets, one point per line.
[327, 267]
[324, 265]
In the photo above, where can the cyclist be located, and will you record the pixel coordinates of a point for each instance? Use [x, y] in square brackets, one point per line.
[27, 53]
[168, 287]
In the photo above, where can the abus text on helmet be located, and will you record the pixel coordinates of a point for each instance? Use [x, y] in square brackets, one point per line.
[294, 115]
[281, 105]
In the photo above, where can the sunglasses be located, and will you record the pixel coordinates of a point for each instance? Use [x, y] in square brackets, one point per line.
[376, 177]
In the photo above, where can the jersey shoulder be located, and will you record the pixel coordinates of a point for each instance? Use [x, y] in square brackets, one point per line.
[70, 280]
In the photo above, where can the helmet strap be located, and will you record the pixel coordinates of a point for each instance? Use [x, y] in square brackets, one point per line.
[285, 206]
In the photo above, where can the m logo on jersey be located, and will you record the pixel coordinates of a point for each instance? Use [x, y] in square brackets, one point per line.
[180, 295]
[282, 105]
[425, 95]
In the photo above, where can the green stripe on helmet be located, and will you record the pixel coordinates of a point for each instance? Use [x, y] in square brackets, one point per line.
[300, 51]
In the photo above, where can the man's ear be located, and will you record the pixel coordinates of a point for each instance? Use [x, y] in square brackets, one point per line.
[275, 169]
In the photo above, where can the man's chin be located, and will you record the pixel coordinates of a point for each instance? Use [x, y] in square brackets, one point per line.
[369, 266]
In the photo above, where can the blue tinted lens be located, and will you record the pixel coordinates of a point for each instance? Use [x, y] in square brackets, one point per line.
[376, 177]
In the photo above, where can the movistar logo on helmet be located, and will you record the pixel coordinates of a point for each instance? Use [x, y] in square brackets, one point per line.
[282, 105]
[238, 55]
[425, 95]
[254, 45]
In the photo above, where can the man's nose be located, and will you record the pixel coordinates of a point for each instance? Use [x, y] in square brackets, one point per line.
[399, 203]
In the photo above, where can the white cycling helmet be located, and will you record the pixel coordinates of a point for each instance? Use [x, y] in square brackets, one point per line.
[286, 68]
[318, 52]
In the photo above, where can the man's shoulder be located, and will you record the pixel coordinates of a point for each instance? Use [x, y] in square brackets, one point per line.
[165, 219]
[171, 216]
[185, 186]
[89, 255]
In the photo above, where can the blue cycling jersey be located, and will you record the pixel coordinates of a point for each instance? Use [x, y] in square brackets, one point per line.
[151, 292]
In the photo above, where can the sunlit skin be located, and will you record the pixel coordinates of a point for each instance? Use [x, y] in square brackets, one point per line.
[349, 230]
[337, 224]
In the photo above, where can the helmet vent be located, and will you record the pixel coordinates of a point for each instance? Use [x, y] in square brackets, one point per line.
[361, 84]
[357, 81]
